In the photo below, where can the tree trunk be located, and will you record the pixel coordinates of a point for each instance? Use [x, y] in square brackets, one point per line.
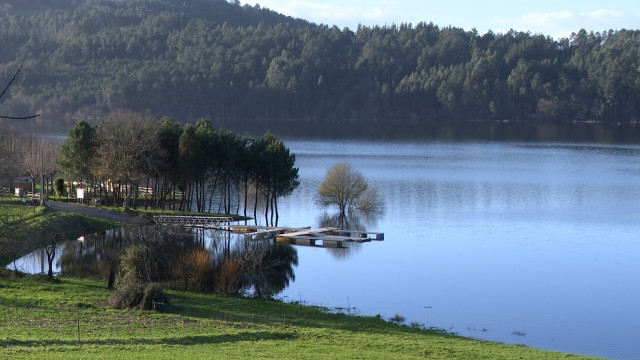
[112, 274]
[273, 195]
[229, 196]
[51, 254]
[275, 202]
[246, 194]
[255, 204]
[125, 203]
[266, 207]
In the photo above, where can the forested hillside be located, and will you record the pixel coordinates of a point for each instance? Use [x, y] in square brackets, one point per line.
[234, 64]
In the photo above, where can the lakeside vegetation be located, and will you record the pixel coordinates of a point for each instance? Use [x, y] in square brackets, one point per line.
[67, 318]
[185, 168]
[239, 65]
[70, 318]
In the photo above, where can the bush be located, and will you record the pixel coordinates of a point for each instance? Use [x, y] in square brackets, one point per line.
[198, 270]
[153, 295]
[229, 277]
[58, 185]
[127, 295]
[136, 294]
[132, 290]
[132, 266]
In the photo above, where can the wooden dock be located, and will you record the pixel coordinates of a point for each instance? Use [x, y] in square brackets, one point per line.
[322, 237]
[305, 236]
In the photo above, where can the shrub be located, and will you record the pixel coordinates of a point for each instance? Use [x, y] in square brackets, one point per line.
[229, 277]
[127, 295]
[398, 319]
[58, 185]
[132, 265]
[133, 288]
[153, 295]
[198, 270]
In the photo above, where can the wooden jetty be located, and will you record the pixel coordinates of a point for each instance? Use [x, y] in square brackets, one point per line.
[305, 236]
[207, 222]
[324, 237]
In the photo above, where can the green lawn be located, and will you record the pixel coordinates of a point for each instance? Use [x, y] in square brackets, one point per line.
[68, 319]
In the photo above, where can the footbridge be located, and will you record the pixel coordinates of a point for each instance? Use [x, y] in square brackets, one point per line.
[207, 222]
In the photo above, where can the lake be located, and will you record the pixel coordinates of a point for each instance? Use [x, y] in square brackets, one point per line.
[522, 243]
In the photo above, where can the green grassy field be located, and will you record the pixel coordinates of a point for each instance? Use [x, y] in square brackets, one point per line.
[68, 318]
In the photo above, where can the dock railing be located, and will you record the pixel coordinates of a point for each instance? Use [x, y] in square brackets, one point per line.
[211, 222]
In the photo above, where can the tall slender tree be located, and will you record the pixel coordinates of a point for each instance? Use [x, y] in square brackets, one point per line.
[78, 152]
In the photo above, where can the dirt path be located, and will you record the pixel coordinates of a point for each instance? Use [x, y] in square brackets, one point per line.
[93, 212]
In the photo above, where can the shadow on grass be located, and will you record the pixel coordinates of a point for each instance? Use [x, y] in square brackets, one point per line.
[271, 312]
[175, 341]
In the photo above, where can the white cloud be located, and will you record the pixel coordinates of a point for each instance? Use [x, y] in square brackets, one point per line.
[466, 14]
[374, 14]
[561, 24]
[606, 15]
[340, 14]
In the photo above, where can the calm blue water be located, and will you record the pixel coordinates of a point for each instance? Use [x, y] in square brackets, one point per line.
[522, 243]
[518, 243]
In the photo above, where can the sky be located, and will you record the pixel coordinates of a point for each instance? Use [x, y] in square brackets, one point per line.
[555, 18]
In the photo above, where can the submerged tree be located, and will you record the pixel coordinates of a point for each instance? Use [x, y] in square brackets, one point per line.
[348, 189]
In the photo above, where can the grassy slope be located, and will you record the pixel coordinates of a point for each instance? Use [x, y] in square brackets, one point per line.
[40, 319]
[20, 220]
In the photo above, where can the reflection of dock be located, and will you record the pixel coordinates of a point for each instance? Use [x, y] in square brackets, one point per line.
[323, 237]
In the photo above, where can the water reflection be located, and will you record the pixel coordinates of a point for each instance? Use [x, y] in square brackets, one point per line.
[351, 221]
[93, 255]
[204, 260]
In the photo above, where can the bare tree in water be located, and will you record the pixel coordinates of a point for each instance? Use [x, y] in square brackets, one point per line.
[346, 188]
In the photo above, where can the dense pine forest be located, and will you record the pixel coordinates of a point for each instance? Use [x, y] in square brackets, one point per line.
[238, 65]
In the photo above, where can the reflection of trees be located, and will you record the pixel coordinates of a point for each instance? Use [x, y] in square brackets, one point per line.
[203, 260]
[259, 268]
[96, 256]
[354, 221]
[269, 267]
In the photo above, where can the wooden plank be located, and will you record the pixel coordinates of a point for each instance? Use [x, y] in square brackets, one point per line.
[309, 231]
[334, 244]
[358, 234]
[271, 232]
[305, 242]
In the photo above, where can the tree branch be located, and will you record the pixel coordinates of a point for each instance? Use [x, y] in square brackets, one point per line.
[5, 90]
[11, 82]
[19, 117]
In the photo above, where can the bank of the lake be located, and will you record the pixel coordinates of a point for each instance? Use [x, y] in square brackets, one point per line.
[23, 227]
[67, 319]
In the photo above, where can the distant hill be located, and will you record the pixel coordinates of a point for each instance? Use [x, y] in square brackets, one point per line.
[246, 67]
